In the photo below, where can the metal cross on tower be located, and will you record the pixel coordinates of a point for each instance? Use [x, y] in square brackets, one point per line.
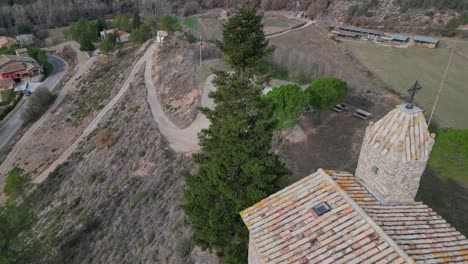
[412, 91]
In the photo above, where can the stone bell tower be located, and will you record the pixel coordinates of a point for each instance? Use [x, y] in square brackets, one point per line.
[394, 154]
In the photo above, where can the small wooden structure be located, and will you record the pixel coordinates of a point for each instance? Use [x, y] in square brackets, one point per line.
[362, 114]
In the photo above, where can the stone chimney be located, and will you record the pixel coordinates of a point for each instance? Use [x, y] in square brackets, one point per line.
[394, 154]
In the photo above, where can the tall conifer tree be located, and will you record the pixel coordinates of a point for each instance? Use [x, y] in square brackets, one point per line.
[244, 43]
[236, 167]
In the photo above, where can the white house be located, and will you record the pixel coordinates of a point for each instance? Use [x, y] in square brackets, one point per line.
[122, 36]
[161, 35]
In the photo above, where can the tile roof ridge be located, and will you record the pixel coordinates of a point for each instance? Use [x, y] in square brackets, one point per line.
[369, 220]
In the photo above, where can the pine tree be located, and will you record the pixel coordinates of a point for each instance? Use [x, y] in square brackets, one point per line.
[86, 45]
[108, 45]
[236, 167]
[244, 42]
[136, 21]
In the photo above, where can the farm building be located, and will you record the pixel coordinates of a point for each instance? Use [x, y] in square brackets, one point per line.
[345, 34]
[15, 67]
[25, 39]
[122, 36]
[22, 52]
[400, 38]
[362, 31]
[6, 42]
[426, 42]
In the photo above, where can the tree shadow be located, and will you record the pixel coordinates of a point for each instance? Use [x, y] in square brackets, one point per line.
[448, 198]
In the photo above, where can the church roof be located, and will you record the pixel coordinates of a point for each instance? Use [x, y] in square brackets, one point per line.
[286, 229]
[402, 129]
[358, 229]
[424, 235]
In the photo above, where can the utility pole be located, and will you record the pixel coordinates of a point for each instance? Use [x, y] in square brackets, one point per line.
[201, 44]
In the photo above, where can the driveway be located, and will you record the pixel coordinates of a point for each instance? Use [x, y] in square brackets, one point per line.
[14, 123]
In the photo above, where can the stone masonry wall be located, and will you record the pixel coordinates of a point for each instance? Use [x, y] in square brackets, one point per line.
[396, 181]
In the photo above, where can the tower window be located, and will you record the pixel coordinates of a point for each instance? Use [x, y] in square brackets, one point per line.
[321, 208]
[375, 170]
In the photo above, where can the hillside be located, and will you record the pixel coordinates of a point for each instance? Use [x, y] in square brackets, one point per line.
[115, 181]
[396, 15]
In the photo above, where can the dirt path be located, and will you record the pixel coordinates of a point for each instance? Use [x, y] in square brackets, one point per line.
[70, 85]
[310, 22]
[97, 119]
[180, 140]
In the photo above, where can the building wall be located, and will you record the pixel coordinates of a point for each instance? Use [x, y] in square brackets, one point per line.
[13, 75]
[396, 181]
[124, 38]
[426, 45]
[254, 255]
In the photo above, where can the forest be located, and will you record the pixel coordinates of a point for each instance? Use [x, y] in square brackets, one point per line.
[46, 13]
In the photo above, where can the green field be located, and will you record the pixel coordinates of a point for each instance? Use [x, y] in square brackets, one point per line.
[400, 67]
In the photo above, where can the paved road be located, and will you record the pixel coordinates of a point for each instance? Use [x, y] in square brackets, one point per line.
[13, 124]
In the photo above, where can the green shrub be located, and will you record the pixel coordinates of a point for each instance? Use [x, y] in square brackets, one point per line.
[137, 198]
[95, 177]
[289, 101]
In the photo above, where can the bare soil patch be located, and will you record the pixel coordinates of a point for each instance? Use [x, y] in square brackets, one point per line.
[179, 79]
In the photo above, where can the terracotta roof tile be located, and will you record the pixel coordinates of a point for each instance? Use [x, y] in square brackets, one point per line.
[416, 228]
[286, 229]
[402, 129]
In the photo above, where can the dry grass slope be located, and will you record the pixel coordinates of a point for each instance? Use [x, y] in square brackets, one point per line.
[120, 202]
[309, 52]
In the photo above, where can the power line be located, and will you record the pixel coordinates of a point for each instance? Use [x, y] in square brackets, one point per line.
[442, 82]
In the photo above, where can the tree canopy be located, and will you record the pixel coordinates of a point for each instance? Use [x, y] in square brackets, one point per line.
[327, 92]
[170, 24]
[122, 22]
[144, 32]
[136, 20]
[16, 223]
[16, 184]
[236, 167]
[289, 101]
[108, 45]
[244, 43]
[84, 32]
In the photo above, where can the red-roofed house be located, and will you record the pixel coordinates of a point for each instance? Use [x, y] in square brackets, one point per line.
[335, 217]
[122, 36]
[15, 67]
[6, 42]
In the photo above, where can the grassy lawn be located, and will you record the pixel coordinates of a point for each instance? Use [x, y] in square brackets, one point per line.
[399, 68]
[6, 94]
